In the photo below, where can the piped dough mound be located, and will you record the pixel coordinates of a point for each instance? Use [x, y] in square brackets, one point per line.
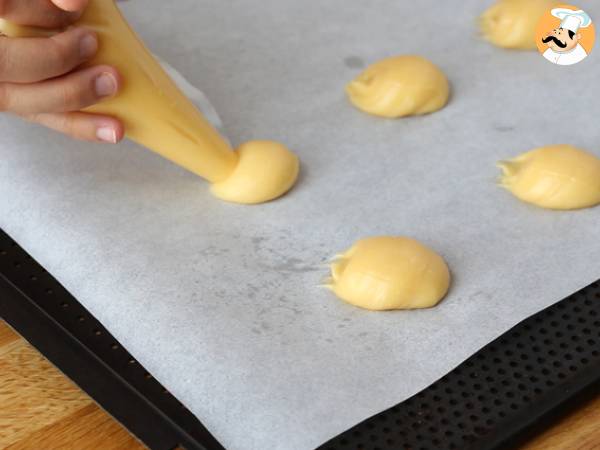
[513, 23]
[385, 273]
[265, 170]
[400, 86]
[554, 177]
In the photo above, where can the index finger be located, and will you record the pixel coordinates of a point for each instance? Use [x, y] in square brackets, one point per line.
[41, 13]
[71, 5]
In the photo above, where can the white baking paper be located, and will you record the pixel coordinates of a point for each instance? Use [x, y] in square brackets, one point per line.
[221, 302]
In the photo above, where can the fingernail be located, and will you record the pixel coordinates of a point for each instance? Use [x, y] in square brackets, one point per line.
[88, 45]
[106, 85]
[106, 134]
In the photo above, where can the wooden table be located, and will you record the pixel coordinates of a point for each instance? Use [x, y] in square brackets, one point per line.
[40, 409]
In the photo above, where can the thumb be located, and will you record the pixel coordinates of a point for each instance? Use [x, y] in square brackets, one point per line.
[71, 5]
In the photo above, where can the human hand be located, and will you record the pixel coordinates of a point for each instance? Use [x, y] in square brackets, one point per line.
[41, 79]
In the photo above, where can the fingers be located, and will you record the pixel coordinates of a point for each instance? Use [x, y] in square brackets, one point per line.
[71, 5]
[83, 126]
[29, 60]
[41, 13]
[71, 92]
[55, 102]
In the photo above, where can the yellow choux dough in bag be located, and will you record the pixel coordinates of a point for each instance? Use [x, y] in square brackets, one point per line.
[157, 115]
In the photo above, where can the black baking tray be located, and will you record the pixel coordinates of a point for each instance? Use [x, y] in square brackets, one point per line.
[498, 398]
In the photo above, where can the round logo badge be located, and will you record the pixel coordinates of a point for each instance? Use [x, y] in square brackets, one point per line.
[565, 35]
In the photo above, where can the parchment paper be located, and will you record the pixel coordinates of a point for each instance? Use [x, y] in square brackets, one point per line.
[221, 302]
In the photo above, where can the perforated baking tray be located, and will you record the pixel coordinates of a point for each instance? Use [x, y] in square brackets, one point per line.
[509, 390]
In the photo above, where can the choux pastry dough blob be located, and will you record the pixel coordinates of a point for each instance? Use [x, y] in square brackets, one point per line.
[265, 169]
[512, 23]
[385, 273]
[400, 86]
[158, 115]
[554, 177]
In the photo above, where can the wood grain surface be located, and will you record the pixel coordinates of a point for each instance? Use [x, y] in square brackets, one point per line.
[40, 409]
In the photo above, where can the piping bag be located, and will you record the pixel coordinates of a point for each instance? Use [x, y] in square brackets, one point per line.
[158, 115]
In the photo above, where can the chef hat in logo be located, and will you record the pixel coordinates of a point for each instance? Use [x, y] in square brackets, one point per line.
[572, 20]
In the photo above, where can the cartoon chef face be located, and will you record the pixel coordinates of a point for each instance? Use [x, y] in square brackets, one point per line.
[561, 40]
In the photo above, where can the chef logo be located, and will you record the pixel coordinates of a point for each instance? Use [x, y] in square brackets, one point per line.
[565, 35]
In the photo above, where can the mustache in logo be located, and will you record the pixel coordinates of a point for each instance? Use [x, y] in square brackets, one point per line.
[556, 41]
